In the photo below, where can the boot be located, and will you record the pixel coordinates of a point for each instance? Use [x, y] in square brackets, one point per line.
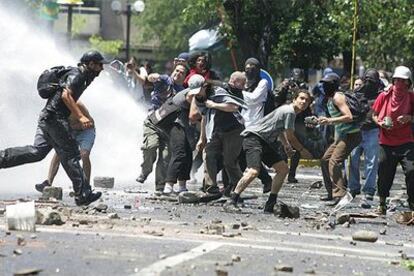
[270, 204]
[40, 187]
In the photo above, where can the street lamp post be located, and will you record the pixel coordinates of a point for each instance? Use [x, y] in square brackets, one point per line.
[70, 4]
[136, 8]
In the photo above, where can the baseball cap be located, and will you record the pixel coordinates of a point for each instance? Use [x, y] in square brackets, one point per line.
[184, 56]
[93, 56]
[330, 77]
[195, 83]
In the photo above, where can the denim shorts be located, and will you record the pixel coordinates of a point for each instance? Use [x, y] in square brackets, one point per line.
[85, 138]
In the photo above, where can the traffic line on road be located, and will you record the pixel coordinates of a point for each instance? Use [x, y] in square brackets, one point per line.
[329, 237]
[158, 267]
[285, 246]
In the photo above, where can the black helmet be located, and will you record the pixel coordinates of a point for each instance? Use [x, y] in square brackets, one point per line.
[93, 56]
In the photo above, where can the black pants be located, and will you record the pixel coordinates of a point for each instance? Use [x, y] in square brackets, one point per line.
[263, 174]
[389, 158]
[52, 132]
[181, 155]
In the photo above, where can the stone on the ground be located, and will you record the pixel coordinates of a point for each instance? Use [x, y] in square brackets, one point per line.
[20, 240]
[284, 268]
[364, 235]
[101, 207]
[342, 218]
[28, 271]
[287, 211]
[235, 258]
[221, 272]
[48, 217]
[52, 192]
[104, 182]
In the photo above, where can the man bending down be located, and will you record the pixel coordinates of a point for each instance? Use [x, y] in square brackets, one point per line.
[261, 145]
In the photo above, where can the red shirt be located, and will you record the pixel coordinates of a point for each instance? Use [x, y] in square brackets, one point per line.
[400, 133]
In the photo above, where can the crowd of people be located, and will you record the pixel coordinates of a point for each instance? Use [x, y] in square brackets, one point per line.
[242, 129]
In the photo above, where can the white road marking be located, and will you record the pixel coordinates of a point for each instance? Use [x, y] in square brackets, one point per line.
[158, 267]
[285, 246]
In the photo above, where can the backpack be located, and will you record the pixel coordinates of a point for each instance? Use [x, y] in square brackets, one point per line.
[49, 82]
[358, 105]
[269, 104]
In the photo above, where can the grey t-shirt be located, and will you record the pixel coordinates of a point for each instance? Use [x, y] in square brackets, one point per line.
[273, 124]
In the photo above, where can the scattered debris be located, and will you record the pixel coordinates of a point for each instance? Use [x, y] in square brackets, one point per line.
[406, 218]
[127, 206]
[2, 211]
[287, 211]
[20, 240]
[101, 207]
[197, 197]
[28, 271]
[113, 216]
[235, 258]
[316, 184]
[52, 192]
[284, 268]
[154, 233]
[363, 235]
[383, 231]
[221, 272]
[48, 217]
[21, 216]
[17, 252]
[104, 182]
[228, 235]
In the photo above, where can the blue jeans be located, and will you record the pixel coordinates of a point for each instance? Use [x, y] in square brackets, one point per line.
[370, 147]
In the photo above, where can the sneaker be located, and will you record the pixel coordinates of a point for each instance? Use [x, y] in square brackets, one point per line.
[40, 187]
[326, 198]
[192, 181]
[84, 201]
[231, 207]
[355, 193]
[141, 178]
[365, 204]
[267, 187]
[292, 180]
[168, 189]
[369, 197]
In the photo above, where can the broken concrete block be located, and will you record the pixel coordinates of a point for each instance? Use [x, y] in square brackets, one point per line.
[48, 217]
[52, 192]
[21, 216]
[104, 182]
[363, 235]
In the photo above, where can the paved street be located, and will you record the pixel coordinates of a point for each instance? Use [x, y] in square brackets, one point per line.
[158, 236]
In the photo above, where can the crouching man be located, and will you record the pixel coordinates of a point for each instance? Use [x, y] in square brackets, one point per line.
[261, 145]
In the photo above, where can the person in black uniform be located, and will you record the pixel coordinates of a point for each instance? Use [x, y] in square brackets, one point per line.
[53, 130]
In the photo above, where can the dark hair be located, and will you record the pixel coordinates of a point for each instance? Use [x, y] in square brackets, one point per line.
[195, 55]
[304, 91]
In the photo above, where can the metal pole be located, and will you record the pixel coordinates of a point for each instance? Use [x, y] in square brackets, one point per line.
[354, 34]
[128, 30]
[69, 26]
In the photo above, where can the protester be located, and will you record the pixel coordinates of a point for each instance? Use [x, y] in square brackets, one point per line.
[155, 140]
[200, 63]
[182, 140]
[256, 95]
[222, 124]
[53, 129]
[135, 77]
[347, 137]
[369, 88]
[85, 137]
[260, 144]
[393, 113]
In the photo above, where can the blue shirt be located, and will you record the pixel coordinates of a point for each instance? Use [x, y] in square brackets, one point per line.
[163, 89]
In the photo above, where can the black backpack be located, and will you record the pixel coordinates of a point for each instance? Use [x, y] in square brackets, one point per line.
[49, 82]
[358, 105]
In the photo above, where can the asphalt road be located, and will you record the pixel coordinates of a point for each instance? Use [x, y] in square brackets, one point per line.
[161, 237]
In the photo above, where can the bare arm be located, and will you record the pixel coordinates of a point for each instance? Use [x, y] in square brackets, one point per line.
[202, 140]
[154, 77]
[141, 76]
[74, 108]
[226, 107]
[291, 138]
[346, 117]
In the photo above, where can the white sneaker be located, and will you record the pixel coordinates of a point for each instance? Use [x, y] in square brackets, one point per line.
[168, 189]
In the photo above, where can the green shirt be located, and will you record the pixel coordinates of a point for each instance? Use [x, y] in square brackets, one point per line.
[341, 129]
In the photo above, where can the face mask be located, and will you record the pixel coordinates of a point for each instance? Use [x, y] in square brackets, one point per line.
[251, 73]
[329, 88]
[399, 85]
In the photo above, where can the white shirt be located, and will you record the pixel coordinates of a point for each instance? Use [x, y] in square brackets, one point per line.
[255, 103]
